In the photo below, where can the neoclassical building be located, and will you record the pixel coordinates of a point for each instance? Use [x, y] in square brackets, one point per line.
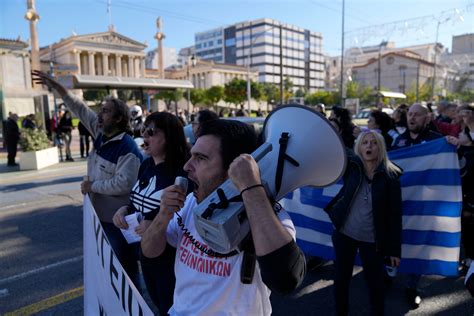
[98, 54]
[16, 92]
[206, 74]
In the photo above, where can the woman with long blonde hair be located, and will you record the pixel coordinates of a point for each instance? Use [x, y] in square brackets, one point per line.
[367, 217]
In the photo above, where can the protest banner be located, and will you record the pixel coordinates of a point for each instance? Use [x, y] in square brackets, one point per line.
[107, 288]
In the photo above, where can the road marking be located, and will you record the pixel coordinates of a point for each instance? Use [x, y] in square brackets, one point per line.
[34, 271]
[48, 303]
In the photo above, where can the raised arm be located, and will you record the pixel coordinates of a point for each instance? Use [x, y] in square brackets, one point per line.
[267, 231]
[282, 263]
[77, 106]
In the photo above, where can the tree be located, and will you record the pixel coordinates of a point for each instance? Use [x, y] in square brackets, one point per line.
[256, 90]
[424, 93]
[170, 96]
[300, 93]
[271, 92]
[197, 96]
[235, 91]
[95, 95]
[287, 89]
[213, 95]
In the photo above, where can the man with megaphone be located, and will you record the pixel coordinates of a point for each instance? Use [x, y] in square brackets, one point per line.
[209, 283]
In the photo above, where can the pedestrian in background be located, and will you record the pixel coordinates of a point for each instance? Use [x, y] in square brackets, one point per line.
[12, 136]
[201, 117]
[465, 145]
[381, 121]
[367, 216]
[84, 140]
[399, 117]
[347, 128]
[65, 128]
[29, 122]
[166, 146]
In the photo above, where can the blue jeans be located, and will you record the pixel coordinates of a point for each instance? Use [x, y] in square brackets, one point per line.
[372, 263]
[126, 253]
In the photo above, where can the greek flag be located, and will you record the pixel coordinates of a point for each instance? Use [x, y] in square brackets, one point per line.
[432, 200]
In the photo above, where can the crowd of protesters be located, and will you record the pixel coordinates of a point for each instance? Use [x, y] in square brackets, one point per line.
[366, 213]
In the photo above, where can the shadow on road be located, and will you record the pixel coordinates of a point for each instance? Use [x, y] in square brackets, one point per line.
[443, 296]
[31, 185]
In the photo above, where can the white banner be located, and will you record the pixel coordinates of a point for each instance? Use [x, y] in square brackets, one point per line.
[107, 288]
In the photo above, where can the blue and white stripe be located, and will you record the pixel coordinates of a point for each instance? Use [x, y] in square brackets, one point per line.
[432, 200]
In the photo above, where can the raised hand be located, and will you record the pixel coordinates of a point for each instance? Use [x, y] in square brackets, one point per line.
[40, 77]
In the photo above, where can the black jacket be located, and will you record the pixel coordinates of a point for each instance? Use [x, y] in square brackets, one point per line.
[386, 205]
[12, 131]
[405, 140]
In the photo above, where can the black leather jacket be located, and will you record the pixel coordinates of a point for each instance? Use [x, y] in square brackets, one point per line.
[386, 205]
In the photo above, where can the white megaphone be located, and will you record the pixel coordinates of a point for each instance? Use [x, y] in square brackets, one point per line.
[301, 149]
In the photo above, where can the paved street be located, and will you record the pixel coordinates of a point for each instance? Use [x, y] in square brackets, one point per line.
[41, 256]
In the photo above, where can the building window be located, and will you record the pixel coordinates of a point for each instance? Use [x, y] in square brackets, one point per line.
[230, 42]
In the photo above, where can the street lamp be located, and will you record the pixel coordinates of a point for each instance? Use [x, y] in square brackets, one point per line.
[383, 43]
[193, 63]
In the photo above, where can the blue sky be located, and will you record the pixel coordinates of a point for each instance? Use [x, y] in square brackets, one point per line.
[137, 19]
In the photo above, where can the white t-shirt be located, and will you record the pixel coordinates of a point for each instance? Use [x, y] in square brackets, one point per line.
[211, 286]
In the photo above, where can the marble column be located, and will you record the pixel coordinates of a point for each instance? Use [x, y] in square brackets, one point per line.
[105, 64]
[130, 66]
[77, 60]
[91, 63]
[84, 65]
[142, 67]
[118, 65]
[136, 70]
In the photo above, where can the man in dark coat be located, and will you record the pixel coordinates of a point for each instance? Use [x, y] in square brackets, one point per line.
[12, 136]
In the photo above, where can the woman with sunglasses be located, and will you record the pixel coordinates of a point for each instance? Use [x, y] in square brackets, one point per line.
[367, 216]
[165, 144]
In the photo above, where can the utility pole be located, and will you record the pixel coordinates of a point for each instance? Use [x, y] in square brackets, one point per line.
[341, 86]
[379, 72]
[436, 57]
[249, 93]
[418, 82]
[281, 66]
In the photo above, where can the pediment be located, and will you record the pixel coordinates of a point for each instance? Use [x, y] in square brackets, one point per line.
[110, 38]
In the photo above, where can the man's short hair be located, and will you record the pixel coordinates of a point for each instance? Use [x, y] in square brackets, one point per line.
[235, 137]
[120, 110]
[206, 115]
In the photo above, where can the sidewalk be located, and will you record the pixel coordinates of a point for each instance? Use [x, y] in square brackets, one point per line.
[75, 151]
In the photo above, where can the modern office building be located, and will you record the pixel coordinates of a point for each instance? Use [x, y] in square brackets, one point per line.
[277, 50]
[209, 45]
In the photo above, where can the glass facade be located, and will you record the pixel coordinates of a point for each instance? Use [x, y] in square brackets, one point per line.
[260, 43]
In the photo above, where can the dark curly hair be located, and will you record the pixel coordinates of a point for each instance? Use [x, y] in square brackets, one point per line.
[383, 120]
[347, 127]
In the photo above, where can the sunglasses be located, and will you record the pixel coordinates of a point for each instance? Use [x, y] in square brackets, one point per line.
[148, 130]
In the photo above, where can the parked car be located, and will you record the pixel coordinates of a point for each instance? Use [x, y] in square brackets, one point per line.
[255, 122]
[361, 118]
